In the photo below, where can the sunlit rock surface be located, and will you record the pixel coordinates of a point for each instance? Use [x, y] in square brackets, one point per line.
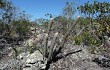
[34, 61]
[79, 60]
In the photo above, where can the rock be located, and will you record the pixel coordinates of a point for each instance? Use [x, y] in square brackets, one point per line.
[85, 65]
[22, 55]
[107, 41]
[34, 61]
[11, 53]
[43, 31]
[11, 64]
[49, 43]
[78, 52]
[31, 67]
[102, 62]
[106, 47]
[81, 60]
[34, 57]
[28, 42]
[41, 36]
[32, 41]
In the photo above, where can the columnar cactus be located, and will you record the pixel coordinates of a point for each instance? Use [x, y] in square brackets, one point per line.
[67, 34]
[46, 40]
[51, 52]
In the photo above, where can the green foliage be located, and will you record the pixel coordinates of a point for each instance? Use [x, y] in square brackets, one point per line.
[96, 23]
[62, 24]
[8, 11]
[1, 28]
[68, 10]
[87, 36]
[95, 9]
[77, 40]
[45, 24]
[31, 49]
[97, 49]
[6, 17]
[21, 27]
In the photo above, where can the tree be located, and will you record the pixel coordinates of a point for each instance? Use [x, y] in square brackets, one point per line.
[98, 15]
[68, 12]
[7, 12]
[21, 25]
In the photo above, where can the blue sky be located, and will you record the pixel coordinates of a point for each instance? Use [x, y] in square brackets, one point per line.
[38, 8]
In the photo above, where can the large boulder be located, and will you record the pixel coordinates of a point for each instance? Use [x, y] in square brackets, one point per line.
[35, 40]
[34, 61]
[9, 63]
[78, 58]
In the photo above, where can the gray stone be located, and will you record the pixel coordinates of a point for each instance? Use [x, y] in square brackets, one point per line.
[34, 57]
[49, 43]
[34, 61]
[77, 61]
[22, 55]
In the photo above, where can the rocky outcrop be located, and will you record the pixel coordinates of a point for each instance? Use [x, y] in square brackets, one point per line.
[72, 57]
[77, 60]
[34, 61]
[24, 61]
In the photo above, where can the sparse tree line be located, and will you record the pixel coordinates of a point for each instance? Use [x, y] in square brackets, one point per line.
[13, 25]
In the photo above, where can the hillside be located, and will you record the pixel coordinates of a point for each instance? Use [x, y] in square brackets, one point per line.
[58, 42]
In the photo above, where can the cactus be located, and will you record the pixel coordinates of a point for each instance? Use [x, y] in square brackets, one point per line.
[51, 50]
[46, 40]
[66, 35]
